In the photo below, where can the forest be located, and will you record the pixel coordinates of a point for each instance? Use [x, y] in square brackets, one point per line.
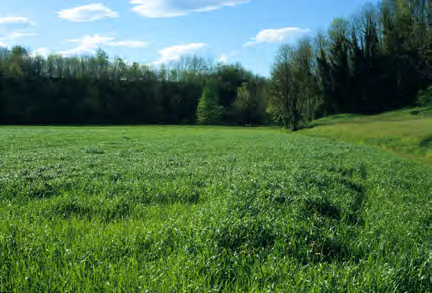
[378, 60]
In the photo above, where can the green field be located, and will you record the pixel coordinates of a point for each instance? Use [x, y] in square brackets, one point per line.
[406, 132]
[189, 209]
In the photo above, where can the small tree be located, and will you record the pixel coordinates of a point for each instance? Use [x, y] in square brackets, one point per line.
[249, 107]
[284, 99]
[209, 112]
[244, 105]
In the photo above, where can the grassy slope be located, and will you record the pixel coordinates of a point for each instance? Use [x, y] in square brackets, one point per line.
[399, 131]
[208, 209]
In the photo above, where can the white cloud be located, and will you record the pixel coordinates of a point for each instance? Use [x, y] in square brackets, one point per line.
[44, 52]
[173, 8]
[16, 22]
[277, 35]
[87, 13]
[175, 52]
[2, 45]
[89, 44]
[17, 35]
[129, 44]
[225, 57]
[12, 28]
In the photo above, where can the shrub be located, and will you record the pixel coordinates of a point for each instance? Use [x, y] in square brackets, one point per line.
[425, 97]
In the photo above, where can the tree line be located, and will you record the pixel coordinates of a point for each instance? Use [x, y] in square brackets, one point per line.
[377, 61]
[96, 89]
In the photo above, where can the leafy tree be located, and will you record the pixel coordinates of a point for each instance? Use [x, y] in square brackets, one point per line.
[425, 97]
[324, 79]
[375, 62]
[245, 105]
[285, 99]
[306, 74]
[250, 105]
[209, 112]
[339, 64]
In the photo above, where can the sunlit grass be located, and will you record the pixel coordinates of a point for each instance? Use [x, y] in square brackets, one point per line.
[400, 131]
[196, 209]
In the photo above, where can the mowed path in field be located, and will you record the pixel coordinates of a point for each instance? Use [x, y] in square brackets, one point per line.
[193, 209]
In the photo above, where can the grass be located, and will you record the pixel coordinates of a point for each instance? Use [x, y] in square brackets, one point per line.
[183, 209]
[407, 132]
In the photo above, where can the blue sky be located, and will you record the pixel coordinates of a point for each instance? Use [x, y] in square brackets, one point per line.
[158, 31]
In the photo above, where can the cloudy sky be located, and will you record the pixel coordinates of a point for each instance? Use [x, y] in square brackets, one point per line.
[158, 31]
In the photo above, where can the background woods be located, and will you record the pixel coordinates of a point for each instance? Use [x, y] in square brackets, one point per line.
[377, 61]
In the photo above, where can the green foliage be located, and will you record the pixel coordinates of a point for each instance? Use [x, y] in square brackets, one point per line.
[374, 62]
[294, 96]
[209, 112]
[244, 104]
[186, 209]
[425, 97]
[283, 105]
[95, 89]
[249, 107]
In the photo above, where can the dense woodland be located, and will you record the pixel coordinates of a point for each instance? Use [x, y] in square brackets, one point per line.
[378, 60]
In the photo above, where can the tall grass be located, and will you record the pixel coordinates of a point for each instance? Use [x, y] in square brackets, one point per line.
[168, 209]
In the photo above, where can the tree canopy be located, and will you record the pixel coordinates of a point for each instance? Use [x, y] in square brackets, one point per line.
[378, 60]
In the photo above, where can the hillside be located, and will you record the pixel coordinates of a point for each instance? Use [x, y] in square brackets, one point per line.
[406, 132]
